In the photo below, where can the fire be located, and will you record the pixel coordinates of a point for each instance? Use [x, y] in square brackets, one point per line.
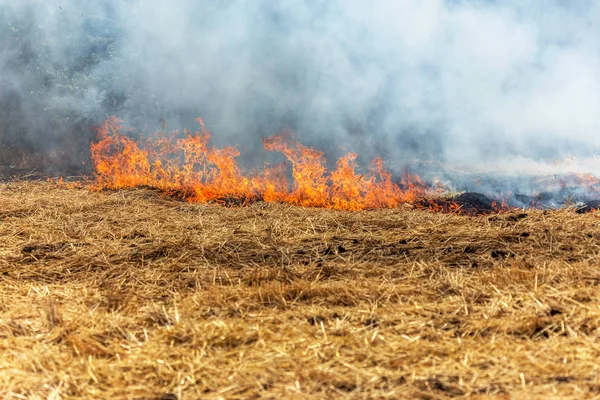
[189, 166]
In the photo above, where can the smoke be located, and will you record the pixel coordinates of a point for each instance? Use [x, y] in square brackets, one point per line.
[482, 84]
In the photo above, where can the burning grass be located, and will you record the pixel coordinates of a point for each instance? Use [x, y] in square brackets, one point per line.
[128, 294]
[190, 167]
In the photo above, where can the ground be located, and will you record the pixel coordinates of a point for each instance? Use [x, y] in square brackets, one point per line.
[129, 294]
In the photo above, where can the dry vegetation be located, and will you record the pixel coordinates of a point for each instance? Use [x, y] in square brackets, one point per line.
[132, 295]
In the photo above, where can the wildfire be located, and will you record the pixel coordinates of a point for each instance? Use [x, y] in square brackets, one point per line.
[188, 165]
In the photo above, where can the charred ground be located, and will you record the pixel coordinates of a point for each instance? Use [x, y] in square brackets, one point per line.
[131, 294]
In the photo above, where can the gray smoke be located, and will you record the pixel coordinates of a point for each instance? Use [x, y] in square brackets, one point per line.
[484, 85]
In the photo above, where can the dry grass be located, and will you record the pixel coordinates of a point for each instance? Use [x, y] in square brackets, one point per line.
[130, 295]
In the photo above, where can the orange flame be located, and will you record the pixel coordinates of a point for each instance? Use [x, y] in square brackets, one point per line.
[190, 167]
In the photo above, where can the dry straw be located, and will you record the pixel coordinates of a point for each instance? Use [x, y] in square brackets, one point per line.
[129, 294]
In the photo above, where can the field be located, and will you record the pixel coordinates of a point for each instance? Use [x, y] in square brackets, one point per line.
[130, 294]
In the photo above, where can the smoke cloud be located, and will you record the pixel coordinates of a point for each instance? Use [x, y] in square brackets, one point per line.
[483, 84]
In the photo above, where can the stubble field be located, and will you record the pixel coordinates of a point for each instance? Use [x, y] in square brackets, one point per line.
[129, 294]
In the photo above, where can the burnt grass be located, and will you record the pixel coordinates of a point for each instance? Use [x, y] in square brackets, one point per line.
[469, 203]
[131, 294]
[473, 203]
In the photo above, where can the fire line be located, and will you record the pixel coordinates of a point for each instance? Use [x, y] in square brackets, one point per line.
[189, 166]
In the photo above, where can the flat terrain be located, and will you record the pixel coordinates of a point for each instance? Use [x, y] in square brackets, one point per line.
[129, 294]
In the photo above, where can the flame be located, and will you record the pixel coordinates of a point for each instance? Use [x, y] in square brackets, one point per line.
[190, 167]
[117, 159]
